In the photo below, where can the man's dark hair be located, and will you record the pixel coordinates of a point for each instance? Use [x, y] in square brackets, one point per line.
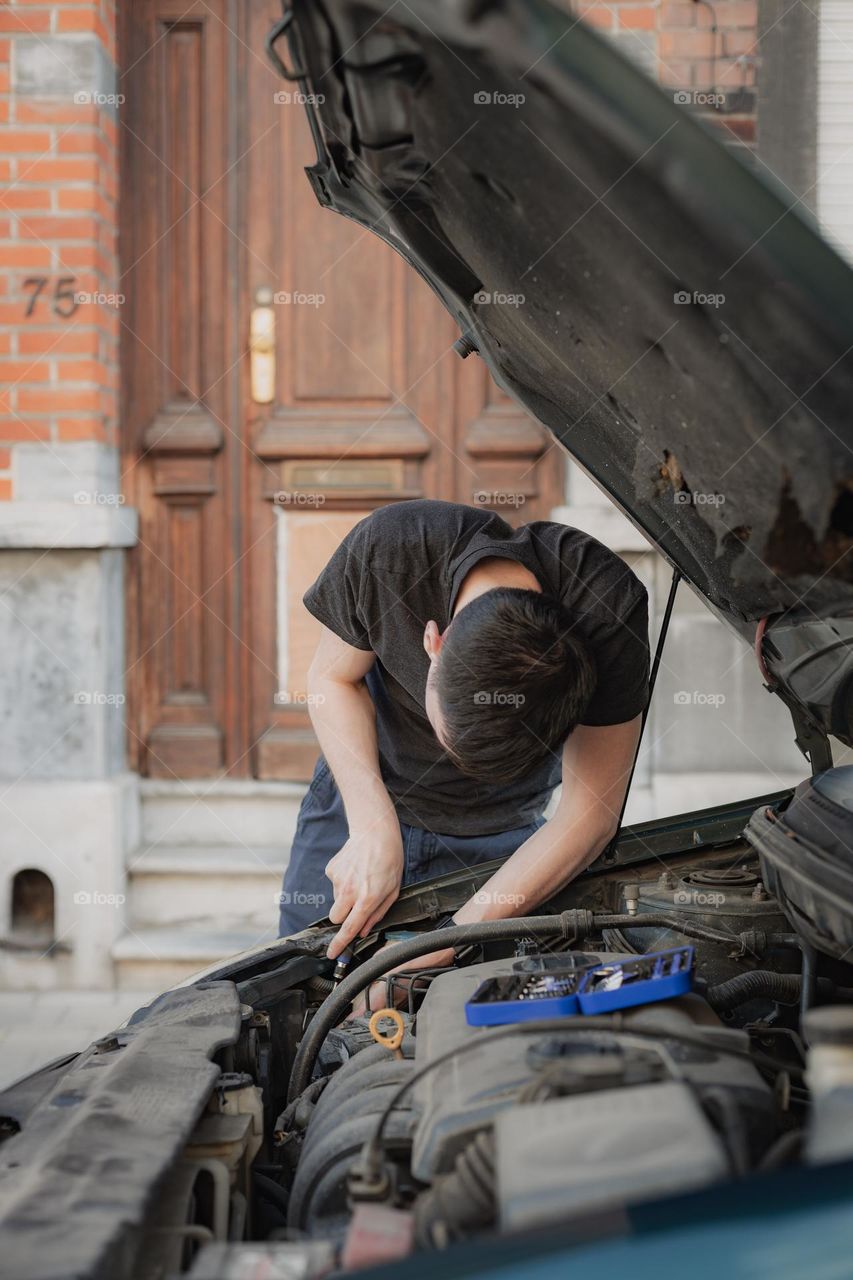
[512, 683]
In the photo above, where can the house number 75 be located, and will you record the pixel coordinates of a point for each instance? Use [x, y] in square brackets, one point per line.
[63, 301]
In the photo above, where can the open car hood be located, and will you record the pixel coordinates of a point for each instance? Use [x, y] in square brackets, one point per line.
[682, 330]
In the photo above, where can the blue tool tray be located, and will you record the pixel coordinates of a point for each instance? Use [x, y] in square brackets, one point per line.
[643, 980]
[597, 988]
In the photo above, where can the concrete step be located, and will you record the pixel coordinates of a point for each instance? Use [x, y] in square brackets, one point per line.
[180, 884]
[154, 958]
[215, 812]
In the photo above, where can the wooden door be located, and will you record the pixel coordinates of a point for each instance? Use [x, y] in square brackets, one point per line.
[244, 490]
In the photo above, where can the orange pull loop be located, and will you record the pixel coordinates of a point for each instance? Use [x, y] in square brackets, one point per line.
[392, 1040]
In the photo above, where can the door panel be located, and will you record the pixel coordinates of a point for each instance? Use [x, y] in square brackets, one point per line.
[175, 256]
[242, 500]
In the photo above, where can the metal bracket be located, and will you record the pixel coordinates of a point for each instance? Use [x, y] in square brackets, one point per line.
[281, 28]
[296, 74]
[811, 740]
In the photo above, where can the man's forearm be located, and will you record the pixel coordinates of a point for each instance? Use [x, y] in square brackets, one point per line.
[344, 720]
[553, 856]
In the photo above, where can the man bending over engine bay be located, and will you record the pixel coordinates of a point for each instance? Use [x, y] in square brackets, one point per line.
[463, 670]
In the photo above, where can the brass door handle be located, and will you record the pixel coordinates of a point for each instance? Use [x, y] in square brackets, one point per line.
[262, 347]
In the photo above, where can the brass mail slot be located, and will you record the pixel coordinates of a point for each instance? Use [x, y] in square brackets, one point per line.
[359, 474]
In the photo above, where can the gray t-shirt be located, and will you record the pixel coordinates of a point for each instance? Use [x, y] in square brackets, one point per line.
[403, 566]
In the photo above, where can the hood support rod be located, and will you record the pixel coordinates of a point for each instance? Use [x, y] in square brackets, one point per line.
[653, 675]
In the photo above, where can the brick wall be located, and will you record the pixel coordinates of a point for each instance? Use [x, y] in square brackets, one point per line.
[59, 276]
[705, 52]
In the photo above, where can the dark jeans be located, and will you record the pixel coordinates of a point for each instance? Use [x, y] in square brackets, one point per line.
[322, 830]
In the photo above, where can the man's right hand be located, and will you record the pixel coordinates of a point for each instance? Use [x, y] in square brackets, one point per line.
[366, 875]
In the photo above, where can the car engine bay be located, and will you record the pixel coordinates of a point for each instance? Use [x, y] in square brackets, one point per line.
[306, 1140]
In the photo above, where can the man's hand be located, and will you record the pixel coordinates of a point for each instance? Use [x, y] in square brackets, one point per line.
[366, 875]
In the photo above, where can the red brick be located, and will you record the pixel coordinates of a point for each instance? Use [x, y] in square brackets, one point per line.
[78, 141]
[63, 170]
[5, 490]
[57, 400]
[686, 44]
[75, 198]
[77, 20]
[78, 255]
[15, 371]
[80, 428]
[25, 255]
[25, 198]
[738, 42]
[15, 429]
[58, 228]
[12, 312]
[638, 19]
[678, 13]
[81, 371]
[5, 459]
[35, 141]
[68, 342]
[736, 13]
[31, 23]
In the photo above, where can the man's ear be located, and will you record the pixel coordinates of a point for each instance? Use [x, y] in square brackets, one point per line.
[433, 640]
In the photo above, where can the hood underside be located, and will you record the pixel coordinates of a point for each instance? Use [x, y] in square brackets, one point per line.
[683, 331]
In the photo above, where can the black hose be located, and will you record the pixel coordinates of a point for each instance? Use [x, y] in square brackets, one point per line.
[761, 984]
[570, 925]
[753, 940]
[321, 987]
[809, 981]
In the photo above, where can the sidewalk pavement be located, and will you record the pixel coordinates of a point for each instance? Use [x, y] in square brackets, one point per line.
[38, 1026]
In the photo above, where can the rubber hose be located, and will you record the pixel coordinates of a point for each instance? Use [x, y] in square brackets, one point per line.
[682, 924]
[679, 925]
[347, 1077]
[330, 1114]
[318, 986]
[761, 984]
[332, 1146]
[570, 925]
[764, 984]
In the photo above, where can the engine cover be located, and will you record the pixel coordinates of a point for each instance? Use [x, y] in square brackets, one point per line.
[462, 1096]
[568, 1156]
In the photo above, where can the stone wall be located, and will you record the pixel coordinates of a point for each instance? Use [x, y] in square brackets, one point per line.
[67, 808]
